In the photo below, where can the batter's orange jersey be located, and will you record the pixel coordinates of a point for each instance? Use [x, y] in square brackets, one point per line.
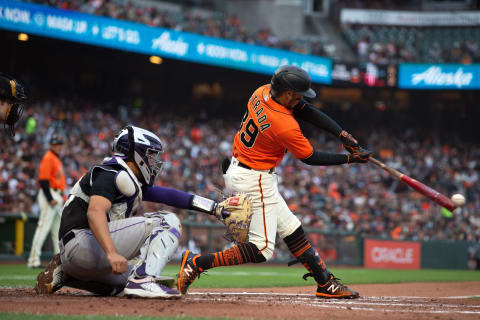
[51, 169]
[267, 131]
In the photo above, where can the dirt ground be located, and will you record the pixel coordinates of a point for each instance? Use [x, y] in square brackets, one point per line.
[393, 301]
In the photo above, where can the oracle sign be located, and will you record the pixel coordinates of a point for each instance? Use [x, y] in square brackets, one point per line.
[391, 254]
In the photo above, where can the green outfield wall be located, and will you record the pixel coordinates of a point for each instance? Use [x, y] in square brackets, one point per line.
[338, 248]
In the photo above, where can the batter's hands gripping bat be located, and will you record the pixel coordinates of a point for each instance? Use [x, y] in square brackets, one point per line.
[418, 186]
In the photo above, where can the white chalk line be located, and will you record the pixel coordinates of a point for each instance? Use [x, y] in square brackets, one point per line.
[360, 301]
[244, 293]
[360, 304]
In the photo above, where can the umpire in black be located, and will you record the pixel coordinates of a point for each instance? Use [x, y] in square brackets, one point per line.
[12, 96]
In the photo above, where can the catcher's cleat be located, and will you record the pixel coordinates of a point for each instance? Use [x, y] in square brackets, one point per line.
[52, 278]
[147, 287]
[188, 272]
[334, 289]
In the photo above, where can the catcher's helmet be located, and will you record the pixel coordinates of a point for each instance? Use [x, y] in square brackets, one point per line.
[292, 78]
[12, 91]
[142, 147]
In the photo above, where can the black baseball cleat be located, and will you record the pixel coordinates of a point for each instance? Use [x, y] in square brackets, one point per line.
[188, 272]
[52, 278]
[334, 289]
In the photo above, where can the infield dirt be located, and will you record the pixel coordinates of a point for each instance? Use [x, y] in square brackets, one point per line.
[393, 301]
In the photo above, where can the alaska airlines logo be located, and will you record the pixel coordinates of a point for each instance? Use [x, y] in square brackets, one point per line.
[435, 76]
[164, 43]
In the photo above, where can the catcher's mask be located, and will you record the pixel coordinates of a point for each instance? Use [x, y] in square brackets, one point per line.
[13, 93]
[142, 147]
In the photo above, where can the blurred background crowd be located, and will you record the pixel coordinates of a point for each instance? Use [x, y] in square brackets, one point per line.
[359, 198]
[88, 93]
[206, 22]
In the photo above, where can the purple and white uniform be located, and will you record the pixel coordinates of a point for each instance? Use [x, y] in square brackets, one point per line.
[150, 239]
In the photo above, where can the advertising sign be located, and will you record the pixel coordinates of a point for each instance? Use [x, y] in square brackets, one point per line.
[391, 254]
[364, 74]
[73, 26]
[439, 76]
[410, 18]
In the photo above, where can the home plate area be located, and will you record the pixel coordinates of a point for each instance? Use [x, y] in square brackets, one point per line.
[405, 301]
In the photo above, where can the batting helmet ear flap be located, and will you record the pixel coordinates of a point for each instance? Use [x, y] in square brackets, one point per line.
[131, 142]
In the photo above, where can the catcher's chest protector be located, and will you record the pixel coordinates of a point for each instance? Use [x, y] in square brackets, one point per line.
[124, 206]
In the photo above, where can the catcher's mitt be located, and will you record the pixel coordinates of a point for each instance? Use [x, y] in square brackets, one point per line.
[238, 223]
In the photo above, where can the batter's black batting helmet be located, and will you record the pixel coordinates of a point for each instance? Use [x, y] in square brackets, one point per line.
[12, 91]
[292, 78]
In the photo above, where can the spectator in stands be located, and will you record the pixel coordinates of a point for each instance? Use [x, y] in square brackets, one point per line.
[210, 23]
[325, 199]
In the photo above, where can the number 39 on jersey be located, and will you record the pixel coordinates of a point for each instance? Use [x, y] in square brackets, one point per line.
[249, 129]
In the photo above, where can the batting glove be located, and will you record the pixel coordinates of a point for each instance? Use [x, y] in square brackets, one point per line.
[360, 156]
[349, 142]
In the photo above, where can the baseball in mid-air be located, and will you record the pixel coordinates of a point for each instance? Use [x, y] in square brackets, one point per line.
[458, 199]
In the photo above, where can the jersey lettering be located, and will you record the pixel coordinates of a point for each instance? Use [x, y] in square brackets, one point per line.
[245, 116]
[267, 130]
[251, 130]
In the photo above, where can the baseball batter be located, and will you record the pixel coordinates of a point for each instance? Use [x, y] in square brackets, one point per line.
[12, 96]
[268, 129]
[102, 229]
[50, 200]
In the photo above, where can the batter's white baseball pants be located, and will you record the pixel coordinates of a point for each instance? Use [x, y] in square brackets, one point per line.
[270, 211]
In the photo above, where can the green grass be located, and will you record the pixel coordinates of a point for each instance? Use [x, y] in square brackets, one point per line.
[250, 276]
[24, 316]
[262, 276]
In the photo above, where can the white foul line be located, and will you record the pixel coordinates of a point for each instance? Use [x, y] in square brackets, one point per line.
[360, 304]
[244, 293]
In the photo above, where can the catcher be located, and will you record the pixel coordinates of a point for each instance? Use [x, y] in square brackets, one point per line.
[12, 96]
[100, 230]
[269, 128]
